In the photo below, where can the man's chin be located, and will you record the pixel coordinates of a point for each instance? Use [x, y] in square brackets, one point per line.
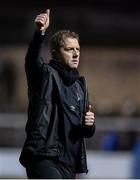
[74, 66]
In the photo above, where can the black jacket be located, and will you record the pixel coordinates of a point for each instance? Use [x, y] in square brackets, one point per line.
[45, 127]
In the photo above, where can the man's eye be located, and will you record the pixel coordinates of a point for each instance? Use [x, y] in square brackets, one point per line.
[68, 49]
[71, 49]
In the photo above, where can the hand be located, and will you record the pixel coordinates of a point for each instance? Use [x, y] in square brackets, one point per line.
[42, 21]
[89, 117]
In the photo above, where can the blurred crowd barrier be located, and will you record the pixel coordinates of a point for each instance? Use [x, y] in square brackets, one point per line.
[112, 133]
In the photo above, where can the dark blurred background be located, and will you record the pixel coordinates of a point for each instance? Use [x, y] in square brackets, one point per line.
[99, 22]
[109, 33]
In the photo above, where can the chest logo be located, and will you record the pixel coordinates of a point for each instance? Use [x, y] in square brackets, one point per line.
[72, 108]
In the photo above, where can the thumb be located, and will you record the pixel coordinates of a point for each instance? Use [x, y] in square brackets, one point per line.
[89, 108]
[47, 11]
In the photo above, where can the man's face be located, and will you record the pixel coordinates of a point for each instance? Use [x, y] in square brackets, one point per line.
[70, 52]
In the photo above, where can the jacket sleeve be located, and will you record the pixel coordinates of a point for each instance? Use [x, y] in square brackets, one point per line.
[33, 61]
[88, 131]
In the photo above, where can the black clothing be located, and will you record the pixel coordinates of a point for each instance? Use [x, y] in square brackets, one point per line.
[73, 97]
[46, 126]
[49, 169]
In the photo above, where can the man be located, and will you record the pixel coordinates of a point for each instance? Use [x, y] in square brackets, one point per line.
[59, 115]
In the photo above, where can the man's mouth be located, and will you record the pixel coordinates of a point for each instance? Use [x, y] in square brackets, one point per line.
[74, 61]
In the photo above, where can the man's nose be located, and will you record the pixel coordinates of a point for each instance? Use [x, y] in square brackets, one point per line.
[75, 52]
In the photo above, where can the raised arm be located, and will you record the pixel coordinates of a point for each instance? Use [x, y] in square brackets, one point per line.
[33, 61]
[41, 24]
